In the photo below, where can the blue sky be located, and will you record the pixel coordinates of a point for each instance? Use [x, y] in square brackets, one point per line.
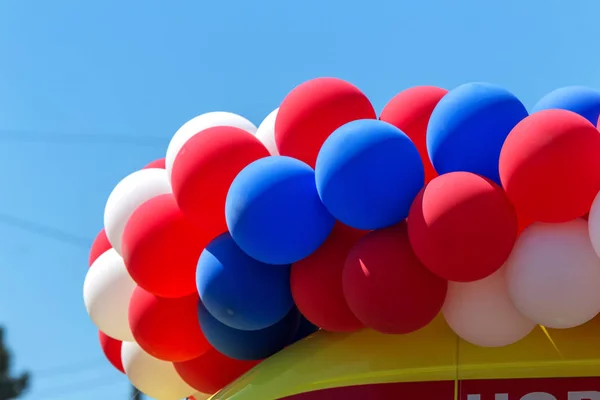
[92, 90]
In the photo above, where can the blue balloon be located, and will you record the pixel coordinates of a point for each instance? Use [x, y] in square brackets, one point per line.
[578, 99]
[368, 173]
[248, 345]
[239, 291]
[468, 127]
[305, 328]
[274, 213]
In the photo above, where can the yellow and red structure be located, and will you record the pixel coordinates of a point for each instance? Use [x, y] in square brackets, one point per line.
[430, 364]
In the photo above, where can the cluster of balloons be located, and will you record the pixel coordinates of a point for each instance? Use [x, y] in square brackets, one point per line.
[244, 240]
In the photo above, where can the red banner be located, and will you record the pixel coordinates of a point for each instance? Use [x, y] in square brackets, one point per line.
[531, 389]
[497, 389]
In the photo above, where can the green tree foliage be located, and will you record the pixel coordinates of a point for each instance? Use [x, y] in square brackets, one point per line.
[10, 387]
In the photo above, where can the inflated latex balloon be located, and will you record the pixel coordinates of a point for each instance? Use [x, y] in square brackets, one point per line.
[316, 282]
[266, 132]
[594, 224]
[549, 166]
[212, 371]
[100, 245]
[106, 293]
[312, 111]
[462, 226]
[249, 345]
[482, 313]
[204, 169]
[112, 350]
[151, 376]
[133, 191]
[167, 329]
[239, 291]
[199, 124]
[368, 173]
[468, 127]
[160, 164]
[305, 329]
[387, 287]
[578, 99]
[274, 213]
[161, 248]
[410, 111]
[553, 274]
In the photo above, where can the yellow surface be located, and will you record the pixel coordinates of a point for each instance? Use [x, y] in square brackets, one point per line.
[326, 360]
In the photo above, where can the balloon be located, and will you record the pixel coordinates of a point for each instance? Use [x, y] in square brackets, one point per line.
[410, 111]
[578, 99]
[266, 132]
[368, 173]
[462, 227]
[167, 329]
[199, 124]
[112, 350]
[106, 293]
[316, 282]
[128, 195]
[482, 313]
[305, 328]
[204, 169]
[274, 213]
[386, 286]
[549, 166]
[160, 164]
[151, 376]
[161, 248]
[468, 127]
[239, 291]
[553, 274]
[593, 219]
[212, 371]
[249, 345]
[312, 111]
[100, 245]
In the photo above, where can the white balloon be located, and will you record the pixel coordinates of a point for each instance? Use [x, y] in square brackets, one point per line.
[127, 196]
[266, 132]
[200, 123]
[553, 274]
[482, 313]
[107, 290]
[594, 224]
[151, 376]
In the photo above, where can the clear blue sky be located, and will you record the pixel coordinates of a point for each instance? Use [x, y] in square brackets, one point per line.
[92, 90]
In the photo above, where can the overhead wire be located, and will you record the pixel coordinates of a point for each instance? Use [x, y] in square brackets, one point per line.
[21, 136]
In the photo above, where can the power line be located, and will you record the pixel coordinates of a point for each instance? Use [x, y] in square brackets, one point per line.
[82, 366]
[46, 231]
[22, 136]
[84, 386]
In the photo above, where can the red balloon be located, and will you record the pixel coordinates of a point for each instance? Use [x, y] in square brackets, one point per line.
[161, 248]
[550, 166]
[462, 226]
[316, 282]
[167, 329]
[410, 111]
[160, 163]
[100, 246]
[387, 287]
[112, 350]
[204, 169]
[312, 111]
[212, 371]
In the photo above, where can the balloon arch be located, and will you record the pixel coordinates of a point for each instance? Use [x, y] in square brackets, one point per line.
[433, 251]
